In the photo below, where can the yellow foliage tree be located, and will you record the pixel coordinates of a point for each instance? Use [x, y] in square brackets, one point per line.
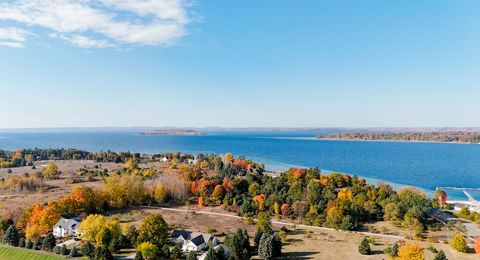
[123, 191]
[410, 251]
[459, 244]
[91, 229]
[345, 194]
[276, 208]
[160, 194]
[50, 171]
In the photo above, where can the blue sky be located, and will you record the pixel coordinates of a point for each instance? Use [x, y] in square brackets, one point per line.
[239, 63]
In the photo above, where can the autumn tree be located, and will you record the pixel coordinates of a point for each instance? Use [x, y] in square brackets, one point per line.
[50, 171]
[123, 191]
[411, 251]
[148, 250]
[99, 230]
[154, 229]
[264, 222]
[477, 245]
[161, 194]
[459, 244]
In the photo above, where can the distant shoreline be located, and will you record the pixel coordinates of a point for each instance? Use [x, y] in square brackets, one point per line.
[389, 141]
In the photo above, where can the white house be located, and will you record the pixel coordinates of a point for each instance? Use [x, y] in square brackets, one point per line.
[66, 227]
[193, 241]
[164, 159]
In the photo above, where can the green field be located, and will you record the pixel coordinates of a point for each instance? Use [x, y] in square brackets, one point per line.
[11, 253]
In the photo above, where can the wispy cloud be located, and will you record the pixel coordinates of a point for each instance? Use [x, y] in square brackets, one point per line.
[13, 37]
[103, 23]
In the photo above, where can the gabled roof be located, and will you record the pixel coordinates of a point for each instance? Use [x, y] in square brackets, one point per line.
[198, 240]
[183, 233]
[67, 222]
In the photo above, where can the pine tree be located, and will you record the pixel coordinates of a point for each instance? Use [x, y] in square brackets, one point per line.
[29, 244]
[138, 256]
[265, 247]
[210, 254]
[106, 253]
[88, 250]
[364, 247]
[277, 245]
[21, 242]
[440, 256]
[257, 237]
[57, 250]
[192, 255]
[37, 244]
[64, 250]
[11, 236]
[73, 252]
[394, 251]
[48, 242]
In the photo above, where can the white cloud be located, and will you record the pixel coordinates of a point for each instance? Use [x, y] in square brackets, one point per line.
[13, 37]
[104, 23]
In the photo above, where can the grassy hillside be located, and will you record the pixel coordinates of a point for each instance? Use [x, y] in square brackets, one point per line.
[11, 253]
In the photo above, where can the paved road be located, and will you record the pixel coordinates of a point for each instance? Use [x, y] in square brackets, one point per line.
[279, 223]
[472, 229]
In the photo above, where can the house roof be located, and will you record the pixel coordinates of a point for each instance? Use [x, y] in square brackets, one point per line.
[67, 222]
[183, 233]
[197, 240]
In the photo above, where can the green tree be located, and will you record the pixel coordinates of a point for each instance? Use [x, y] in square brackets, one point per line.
[148, 250]
[88, 249]
[49, 242]
[29, 244]
[11, 236]
[37, 244]
[105, 253]
[459, 244]
[192, 255]
[64, 250]
[364, 247]
[138, 256]
[440, 256]
[277, 245]
[73, 252]
[264, 222]
[210, 254]
[154, 229]
[21, 242]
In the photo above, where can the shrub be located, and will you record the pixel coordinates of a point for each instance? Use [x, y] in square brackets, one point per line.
[57, 250]
[459, 244]
[477, 245]
[364, 247]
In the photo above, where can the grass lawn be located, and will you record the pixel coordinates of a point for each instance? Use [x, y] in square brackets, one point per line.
[13, 253]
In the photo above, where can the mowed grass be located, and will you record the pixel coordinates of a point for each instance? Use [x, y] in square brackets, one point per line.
[11, 253]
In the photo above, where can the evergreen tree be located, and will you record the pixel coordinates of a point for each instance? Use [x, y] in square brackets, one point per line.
[257, 237]
[11, 236]
[364, 247]
[210, 254]
[138, 256]
[48, 242]
[394, 251]
[29, 244]
[277, 245]
[440, 256]
[106, 237]
[106, 253]
[220, 254]
[37, 244]
[21, 242]
[192, 255]
[265, 248]
[132, 236]
[57, 250]
[64, 250]
[88, 250]
[73, 252]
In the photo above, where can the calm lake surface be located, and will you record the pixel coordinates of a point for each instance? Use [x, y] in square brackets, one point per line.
[425, 165]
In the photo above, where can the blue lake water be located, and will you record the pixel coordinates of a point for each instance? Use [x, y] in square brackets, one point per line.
[425, 165]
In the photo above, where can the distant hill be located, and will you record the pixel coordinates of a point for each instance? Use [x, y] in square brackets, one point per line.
[437, 136]
[171, 132]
